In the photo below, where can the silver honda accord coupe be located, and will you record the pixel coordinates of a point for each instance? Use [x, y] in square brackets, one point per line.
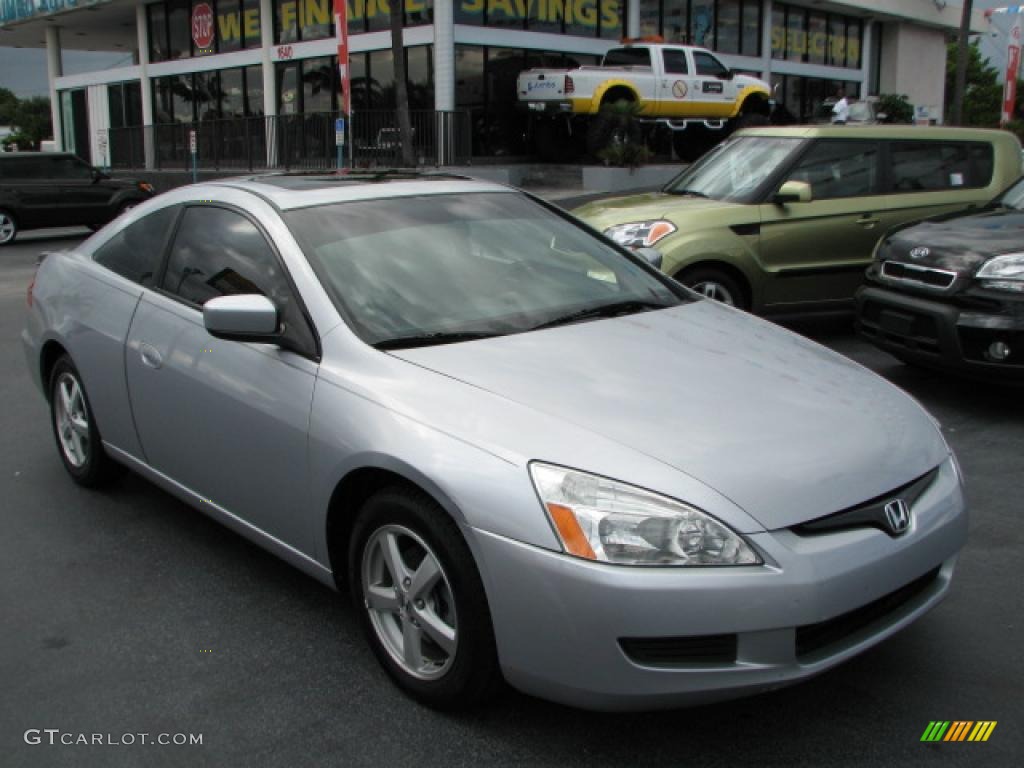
[527, 454]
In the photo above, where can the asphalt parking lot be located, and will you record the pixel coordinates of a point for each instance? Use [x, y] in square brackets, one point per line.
[125, 612]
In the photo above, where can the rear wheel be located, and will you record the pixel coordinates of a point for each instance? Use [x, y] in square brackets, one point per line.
[715, 284]
[74, 427]
[420, 600]
[8, 228]
[613, 123]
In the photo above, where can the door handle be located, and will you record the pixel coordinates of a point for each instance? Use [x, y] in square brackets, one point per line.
[150, 356]
[868, 221]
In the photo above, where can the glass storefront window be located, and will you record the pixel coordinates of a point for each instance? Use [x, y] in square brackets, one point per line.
[157, 15]
[727, 29]
[419, 64]
[836, 41]
[229, 26]
[817, 38]
[581, 18]
[750, 35]
[319, 92]
[612, 15]
[288, 88]
[853, 44]
[303, 20]
[179, 26]
[796, 34]
[702, 23]
[254, 91]
[232, 93]
[382, 80]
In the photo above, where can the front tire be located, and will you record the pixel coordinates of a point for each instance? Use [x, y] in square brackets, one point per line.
[74, 427]
[8, 227]
[420, 600]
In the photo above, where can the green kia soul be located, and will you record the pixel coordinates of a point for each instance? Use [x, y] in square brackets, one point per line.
[786, 219]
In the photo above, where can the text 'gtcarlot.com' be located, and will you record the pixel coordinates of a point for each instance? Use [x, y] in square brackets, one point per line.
[55, 736]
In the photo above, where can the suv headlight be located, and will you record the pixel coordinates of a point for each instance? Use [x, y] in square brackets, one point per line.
[1004, 272]
[611, 522]
[640, 234]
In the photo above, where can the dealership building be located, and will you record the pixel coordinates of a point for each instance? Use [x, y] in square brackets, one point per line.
[257, 80]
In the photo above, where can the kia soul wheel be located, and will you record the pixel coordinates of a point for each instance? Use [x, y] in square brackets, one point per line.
[420, 600]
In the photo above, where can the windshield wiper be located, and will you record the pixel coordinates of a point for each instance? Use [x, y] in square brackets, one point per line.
[691, 192]
[617, 309]
[432, 339]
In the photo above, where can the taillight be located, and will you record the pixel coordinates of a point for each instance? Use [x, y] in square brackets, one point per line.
[570, 87]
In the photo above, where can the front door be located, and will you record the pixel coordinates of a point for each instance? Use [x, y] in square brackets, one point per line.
[715, 89]
[817, 251]
[228, 420]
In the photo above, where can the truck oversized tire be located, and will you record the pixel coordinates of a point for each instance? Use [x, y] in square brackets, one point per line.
[749, 120]
[693, 142]
[610, 124]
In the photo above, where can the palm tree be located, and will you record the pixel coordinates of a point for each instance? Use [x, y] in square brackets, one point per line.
[401, 91]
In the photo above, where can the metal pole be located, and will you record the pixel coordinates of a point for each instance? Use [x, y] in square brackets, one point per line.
[961, 63]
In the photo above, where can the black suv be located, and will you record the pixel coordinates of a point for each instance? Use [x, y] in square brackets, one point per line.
[51, 189]
[948, 292]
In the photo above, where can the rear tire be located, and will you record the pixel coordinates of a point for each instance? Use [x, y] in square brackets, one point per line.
[435, 639]
[715, 284]
[8, 227]
[606, 127]
[74, 427]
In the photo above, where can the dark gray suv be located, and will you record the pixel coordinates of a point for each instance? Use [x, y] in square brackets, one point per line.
[51, 189]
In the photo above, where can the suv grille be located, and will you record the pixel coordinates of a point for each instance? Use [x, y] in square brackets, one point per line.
[680, 651]
[813, 637]
[924, 276]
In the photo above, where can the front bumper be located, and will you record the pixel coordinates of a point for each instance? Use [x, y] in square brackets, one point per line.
[559, 621]
[940, 334]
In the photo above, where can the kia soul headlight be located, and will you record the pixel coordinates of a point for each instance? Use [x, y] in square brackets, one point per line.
[1004, 272]
[612, 522]
[640, 234]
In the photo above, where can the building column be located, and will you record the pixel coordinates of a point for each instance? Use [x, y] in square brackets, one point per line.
[148, 138]
[269, 80]
[54, 69]
[866, 58]
[444, 55]
[633, 18]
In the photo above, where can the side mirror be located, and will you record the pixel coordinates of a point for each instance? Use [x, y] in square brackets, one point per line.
[651, 255]
[793, 192]
[98, 175]
[247, 317]
[728, 75]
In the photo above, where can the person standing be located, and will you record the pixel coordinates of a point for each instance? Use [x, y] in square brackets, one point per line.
[841, 109]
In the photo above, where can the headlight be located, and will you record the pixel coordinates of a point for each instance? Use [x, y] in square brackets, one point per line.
[611, 522]
[640, 234]
[146, 187]
[1004, 272]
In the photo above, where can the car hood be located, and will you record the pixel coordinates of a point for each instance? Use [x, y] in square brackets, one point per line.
[784, 428]
[602, 214]
[960, 242]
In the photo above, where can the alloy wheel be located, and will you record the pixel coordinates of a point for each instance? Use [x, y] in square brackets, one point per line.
[410, 602]
[713, 290]
[7, 229]
[72, 420]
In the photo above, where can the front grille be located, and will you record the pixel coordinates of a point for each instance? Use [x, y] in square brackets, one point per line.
[680, 651]
[814, 637]
[924, 276]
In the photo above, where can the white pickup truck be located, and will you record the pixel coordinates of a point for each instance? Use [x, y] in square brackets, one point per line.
[686, 88]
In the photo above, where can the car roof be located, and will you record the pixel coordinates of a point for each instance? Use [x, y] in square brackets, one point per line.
[885, 131]
[288, 191]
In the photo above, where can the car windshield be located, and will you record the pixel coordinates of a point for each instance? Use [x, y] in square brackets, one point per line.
[432, 269]
[736, 169]
[1013, 197]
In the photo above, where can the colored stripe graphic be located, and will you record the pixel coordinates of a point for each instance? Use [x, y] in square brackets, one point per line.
[958, 730]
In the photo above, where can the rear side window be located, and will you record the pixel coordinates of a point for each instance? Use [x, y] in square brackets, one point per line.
[628, 57]
[929, 166]
[136, 250]
[837, 169]
[675, 61]
[20, 168]
[219, 252]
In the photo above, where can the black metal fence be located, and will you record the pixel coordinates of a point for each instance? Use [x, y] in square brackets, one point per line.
[293, 142]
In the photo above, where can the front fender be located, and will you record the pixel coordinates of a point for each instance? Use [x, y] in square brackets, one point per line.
[681, 252]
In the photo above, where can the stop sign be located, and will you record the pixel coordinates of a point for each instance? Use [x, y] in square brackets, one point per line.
[202, 25]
